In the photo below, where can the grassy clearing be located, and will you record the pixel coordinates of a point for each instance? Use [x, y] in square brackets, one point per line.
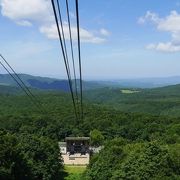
[74, 172]
[128, 91]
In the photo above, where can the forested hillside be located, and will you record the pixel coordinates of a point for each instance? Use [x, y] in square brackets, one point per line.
[163, 101]
[137, 145]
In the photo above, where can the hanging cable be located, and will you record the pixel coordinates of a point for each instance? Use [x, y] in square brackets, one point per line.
[64, 56]
[39, 108]
[65, 49]
[63, 38]
[79, 54]
[18, 77]
[72, 55]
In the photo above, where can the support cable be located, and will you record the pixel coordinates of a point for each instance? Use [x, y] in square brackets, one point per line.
[63, 38]
[64, 56]
[24, 85]
[39, 108]
[72, 55]
[67, 59]
[79, 54]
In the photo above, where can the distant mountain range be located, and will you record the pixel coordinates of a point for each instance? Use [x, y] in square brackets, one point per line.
[144, 82]
[36, 82]
[45, 83]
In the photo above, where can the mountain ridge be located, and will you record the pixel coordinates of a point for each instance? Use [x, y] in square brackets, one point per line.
[47, 83]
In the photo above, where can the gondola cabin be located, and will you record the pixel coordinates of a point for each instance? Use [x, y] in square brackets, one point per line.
[75, 150]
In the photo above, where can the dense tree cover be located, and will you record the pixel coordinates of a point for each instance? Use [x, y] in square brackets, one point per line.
[122, 160]
[17, 115]
[96, 138]
[12, 162]
[29, 157]
[159, 101]
[150, 142]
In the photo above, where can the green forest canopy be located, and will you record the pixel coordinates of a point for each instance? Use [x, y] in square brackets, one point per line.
[29, 137]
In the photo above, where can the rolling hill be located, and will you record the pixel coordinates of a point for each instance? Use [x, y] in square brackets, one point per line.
[157, 101]
[36, 82]
[45, 83]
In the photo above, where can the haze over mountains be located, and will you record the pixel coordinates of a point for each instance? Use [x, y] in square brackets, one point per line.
[46, 83]
[148, 82]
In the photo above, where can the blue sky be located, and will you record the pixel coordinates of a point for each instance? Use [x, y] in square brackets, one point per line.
[120, 38]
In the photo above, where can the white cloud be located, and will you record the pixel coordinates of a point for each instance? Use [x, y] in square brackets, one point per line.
[25, 10]
[29, 12]
[24, 23]
[104, 32]
[170, 24]
[164, 47]
[86, 36]
[49, 31]
[149, 16]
